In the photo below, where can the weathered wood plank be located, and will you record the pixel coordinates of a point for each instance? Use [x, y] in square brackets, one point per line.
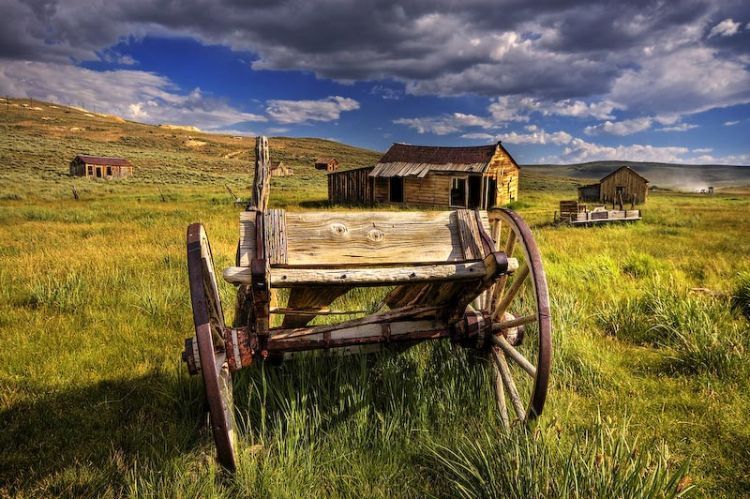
[310, 298]
[471, 244]
[366, 276]
[364, 238]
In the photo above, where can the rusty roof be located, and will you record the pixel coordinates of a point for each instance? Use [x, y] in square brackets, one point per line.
[403, 160]
[325, 161]
[103, 160]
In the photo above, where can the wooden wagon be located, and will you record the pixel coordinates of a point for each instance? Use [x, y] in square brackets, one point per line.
[474, 278]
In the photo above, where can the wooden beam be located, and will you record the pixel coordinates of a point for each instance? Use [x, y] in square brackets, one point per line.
[365, 276]
[261, 181]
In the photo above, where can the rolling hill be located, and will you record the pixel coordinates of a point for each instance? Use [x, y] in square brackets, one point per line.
[42, 138]
[666, 175]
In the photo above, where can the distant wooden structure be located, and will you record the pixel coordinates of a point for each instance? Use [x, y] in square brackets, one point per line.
[100, 167]
[477, 177]
[279, 169]
[623, 185]
[575, 213]
[351, 186]
[327, 164]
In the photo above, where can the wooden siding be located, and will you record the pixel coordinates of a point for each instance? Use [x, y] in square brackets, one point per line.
[507, 173]
[351, 186]
[634, 187]
[589, 192]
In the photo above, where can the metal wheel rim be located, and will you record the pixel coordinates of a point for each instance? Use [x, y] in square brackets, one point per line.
[527, 243]
[208, 318]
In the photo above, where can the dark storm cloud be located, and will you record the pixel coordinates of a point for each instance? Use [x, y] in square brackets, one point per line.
[554, 48]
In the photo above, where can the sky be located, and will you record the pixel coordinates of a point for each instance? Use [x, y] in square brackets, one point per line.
[557, 81]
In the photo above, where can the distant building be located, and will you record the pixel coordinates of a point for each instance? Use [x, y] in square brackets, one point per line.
[279, 169]
[478, 177]
[622, 185]
[100, 167]
[327, 164]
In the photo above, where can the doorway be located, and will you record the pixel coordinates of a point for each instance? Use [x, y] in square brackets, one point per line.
[491, 193]
[98, 172]
[396, 190]
[475, 192]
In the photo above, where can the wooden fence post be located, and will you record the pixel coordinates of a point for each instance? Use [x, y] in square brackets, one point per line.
[262, 178]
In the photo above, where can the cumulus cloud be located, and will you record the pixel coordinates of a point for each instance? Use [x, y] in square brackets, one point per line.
[518, 108]
[580, 151]
[137, 95]
[625, 127]
[727, 27]
[680, 127]
[731, 123]
[304, 111]
[537, 137]
[686, 81]
[445, 124]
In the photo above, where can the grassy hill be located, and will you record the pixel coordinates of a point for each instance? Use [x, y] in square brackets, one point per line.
[689, 178]
[37, 141]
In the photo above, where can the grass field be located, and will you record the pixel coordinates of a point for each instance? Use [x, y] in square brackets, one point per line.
[650, 386]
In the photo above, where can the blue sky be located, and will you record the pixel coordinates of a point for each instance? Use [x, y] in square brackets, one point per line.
[560, 82]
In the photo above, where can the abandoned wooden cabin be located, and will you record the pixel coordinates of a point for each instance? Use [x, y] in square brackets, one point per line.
[327, 164]
[279, 169]
[427, 176]
[623, 185]
[100, 167]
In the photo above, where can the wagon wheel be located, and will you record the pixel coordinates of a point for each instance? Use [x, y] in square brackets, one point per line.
[520, 345]
[209, 331]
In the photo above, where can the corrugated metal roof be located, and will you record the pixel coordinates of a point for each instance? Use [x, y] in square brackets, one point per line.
[403, 160]
[103, 160]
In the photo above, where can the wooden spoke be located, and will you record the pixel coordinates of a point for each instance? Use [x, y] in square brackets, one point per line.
[502, 406]
[497, 228]
[519, 321]
[514, 354]
[515, 399]
[520, 277]
[511, 244]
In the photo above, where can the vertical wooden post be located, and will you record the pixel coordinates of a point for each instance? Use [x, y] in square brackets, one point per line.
[261, 181]
[260, 289]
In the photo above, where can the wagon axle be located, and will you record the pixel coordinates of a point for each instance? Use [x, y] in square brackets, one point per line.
[472, 277]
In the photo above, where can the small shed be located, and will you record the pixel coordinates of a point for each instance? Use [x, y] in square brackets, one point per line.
[429, 176]
[100, 167]
[622, 185]
[327, 164]
[279, 169]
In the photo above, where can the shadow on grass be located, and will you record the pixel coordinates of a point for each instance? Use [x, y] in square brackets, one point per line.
[85, 441]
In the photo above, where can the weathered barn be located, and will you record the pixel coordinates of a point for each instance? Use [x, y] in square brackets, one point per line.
[622, 185]
[327, 164]
[279, 169]
[100, 167]
[446, 177]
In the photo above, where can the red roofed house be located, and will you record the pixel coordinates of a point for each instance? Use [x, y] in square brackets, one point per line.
[327, 164]
[100, 167]
[478, 177]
